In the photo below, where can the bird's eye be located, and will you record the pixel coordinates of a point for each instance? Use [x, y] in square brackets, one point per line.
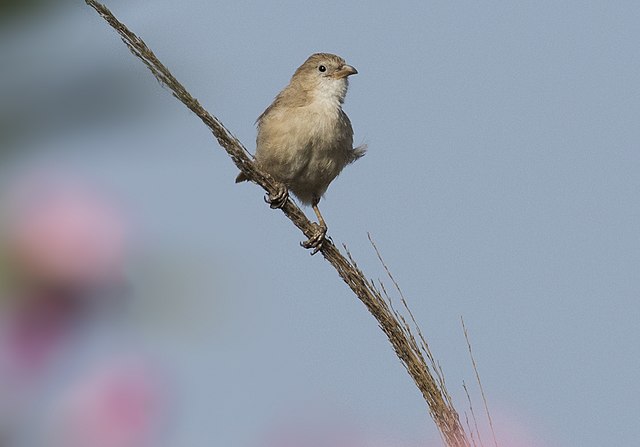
[322, 68]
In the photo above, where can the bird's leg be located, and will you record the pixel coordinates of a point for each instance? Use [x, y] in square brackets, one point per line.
[278, 199]
[320, 230]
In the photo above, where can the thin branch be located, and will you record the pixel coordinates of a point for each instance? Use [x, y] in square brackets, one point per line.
[473, 415]
[403, 343]
[473, 439]
[475, 369]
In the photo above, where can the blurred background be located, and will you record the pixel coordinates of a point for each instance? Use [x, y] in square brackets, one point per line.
[146, 299]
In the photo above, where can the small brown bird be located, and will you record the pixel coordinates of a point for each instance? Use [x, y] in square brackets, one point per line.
[304, 137]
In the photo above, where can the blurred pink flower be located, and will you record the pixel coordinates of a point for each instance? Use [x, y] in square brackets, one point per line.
[116, 407]
[65, 233]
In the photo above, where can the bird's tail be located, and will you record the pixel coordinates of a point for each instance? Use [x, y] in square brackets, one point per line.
[241, 178]
[358, 152]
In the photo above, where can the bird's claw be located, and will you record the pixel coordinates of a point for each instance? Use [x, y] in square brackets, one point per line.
[278, 199]
[317, 239]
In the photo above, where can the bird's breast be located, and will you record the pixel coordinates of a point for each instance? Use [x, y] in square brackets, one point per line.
[324, 122]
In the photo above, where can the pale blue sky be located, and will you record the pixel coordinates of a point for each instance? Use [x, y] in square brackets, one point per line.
[501, 184]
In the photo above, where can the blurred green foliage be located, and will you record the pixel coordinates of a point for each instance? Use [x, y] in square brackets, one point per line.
[12, 9]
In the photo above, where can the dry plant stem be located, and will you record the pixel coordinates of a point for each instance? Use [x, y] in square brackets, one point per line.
[393, 325]
[475, 369]
[473, 415]
[473, 440]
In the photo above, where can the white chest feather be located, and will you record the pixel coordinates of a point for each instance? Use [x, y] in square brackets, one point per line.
[330, 93]
[323, 114]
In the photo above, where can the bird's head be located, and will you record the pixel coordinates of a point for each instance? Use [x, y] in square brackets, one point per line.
[325, 75]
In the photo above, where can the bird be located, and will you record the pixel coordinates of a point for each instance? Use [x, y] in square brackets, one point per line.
[304, 137]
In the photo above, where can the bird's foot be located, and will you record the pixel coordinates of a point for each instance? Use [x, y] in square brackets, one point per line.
[317, 239]
[278, 199]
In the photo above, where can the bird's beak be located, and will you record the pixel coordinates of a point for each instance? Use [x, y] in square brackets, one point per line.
[346, 70]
